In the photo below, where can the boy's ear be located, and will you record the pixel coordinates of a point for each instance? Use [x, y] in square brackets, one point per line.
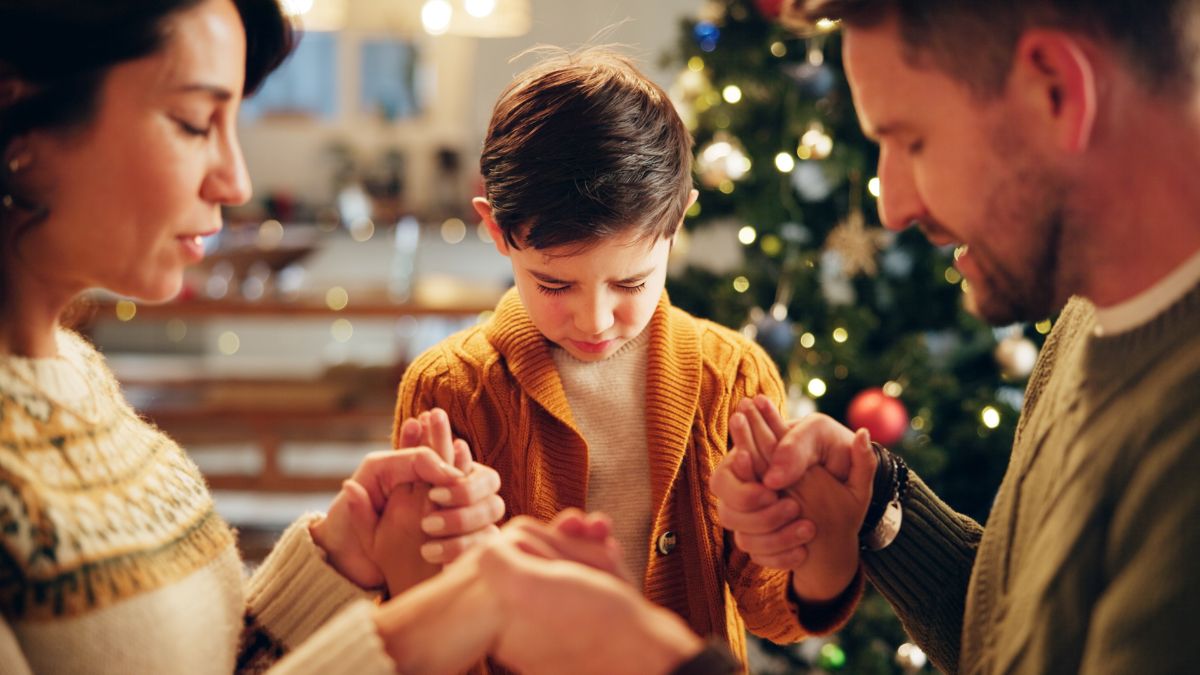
[692, 197]
[484, 209]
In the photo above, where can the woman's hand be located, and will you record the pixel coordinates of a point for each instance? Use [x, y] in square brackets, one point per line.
[428, 525]
[350, 533]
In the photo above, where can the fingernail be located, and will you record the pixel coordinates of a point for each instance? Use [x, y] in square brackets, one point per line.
[790, 508]
[433, 524]
[440, 495]
[433, 551]
[773, 477]
[804, 532]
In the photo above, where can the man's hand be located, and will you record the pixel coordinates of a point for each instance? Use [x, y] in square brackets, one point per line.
[824, 472]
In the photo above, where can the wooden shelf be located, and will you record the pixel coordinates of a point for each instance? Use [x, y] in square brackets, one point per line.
[106, 309]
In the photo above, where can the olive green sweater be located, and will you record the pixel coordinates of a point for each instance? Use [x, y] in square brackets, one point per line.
[1089, 559]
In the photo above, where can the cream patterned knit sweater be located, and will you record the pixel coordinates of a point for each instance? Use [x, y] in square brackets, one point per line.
[112, 559]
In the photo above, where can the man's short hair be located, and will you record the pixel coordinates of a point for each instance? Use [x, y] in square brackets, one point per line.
[973, 41]
[583, 146]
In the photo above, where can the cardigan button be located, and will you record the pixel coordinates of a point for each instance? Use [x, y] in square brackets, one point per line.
[667, 542]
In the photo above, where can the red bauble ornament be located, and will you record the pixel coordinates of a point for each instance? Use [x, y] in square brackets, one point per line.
[883, 416]
[769, 8]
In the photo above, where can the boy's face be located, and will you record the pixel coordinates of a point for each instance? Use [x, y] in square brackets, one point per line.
[592, 301]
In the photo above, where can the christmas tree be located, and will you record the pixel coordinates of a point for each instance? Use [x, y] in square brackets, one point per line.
[866, 325]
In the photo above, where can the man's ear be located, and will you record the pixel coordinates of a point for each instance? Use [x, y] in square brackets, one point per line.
[484, 209]
[1054, 74]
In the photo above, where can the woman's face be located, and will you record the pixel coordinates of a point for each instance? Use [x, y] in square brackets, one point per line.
[131, 194]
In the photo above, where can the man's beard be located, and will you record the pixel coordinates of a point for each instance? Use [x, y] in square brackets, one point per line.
[1032, 204]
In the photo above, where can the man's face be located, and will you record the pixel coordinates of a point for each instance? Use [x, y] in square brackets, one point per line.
[964, 171]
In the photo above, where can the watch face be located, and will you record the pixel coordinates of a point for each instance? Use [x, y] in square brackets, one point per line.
[887, 529]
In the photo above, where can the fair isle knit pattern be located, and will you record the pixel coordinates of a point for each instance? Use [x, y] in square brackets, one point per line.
[112, 559]
[95, 505]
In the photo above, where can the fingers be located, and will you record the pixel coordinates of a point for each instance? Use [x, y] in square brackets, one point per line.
[363, 515]
[538, 538]
[806, 444]
[573, 522]
[792, 559]
[465, 490]
[743, 439]
[380, 473]
[780, 542]
[464, 520]
[863, 463]
[410, 433]
[764, 438]
[462, 456]
[444, 551]
[771, 415]
[761, 521]
[734, 493]
[438, 434]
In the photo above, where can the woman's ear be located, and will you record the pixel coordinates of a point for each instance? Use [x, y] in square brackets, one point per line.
[484, 209]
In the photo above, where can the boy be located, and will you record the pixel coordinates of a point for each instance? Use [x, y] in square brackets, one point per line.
[586, 388]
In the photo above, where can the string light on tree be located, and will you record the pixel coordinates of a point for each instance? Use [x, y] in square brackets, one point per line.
[722, 160]
[1016, 355]
[815, 143]
[747, 235]
[910, 658]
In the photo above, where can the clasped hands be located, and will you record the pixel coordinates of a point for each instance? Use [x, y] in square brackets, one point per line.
[795, 495]
[404, 513]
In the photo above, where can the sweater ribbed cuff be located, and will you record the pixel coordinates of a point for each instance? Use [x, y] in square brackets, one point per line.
[828, 617]
[769, 612]
[295, 591]
[349, 643]
[924, 573]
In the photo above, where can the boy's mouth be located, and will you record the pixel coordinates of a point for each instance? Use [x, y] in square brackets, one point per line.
[592, 347]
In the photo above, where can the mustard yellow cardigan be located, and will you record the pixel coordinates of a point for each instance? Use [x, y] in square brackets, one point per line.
[499, 385]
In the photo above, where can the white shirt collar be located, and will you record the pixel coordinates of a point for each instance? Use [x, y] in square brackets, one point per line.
[1141, 308]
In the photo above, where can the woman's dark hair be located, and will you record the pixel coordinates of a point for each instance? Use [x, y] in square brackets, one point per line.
[54, 55]
[582, 147]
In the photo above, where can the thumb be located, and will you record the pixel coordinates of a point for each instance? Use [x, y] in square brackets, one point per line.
[363, 517]
[862, 466]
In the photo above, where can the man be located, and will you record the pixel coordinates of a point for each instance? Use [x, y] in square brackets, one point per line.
[1057, 143]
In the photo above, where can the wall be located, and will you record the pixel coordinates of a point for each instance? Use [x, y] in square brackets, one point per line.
[465, 75]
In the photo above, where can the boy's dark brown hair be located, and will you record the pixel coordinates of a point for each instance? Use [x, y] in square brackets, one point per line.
[581, 147]
[974, 41]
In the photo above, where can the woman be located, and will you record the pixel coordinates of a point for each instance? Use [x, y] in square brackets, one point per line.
[118, 148]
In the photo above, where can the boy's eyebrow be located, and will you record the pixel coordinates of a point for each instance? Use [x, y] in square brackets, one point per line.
[548, 279]
[633, 278]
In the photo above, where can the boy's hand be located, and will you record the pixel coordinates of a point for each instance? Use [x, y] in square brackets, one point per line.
[427, 524]
[826, 474]
[352, 530]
